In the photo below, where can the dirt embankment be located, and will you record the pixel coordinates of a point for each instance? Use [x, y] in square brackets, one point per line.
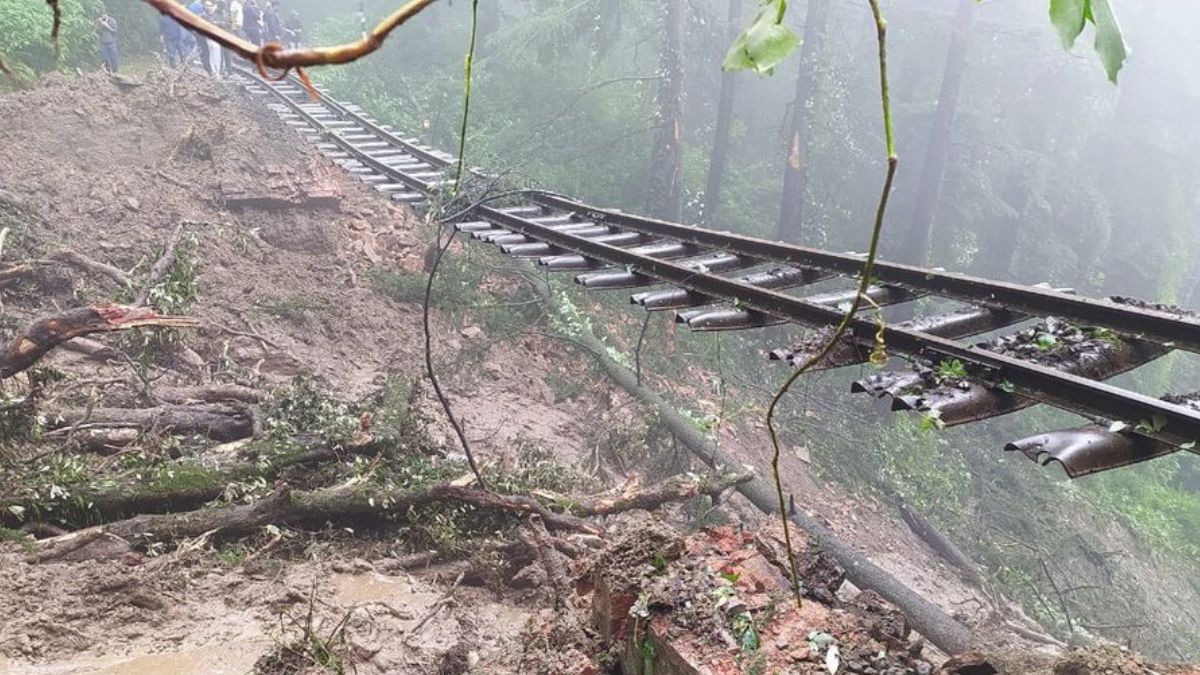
[287, 252]
[285, 246]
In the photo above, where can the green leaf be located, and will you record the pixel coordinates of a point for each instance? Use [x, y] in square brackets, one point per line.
[1068, 17]
[764, 43]
[1109, 43]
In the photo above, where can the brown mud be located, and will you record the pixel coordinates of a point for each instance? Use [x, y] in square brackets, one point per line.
[288, 245]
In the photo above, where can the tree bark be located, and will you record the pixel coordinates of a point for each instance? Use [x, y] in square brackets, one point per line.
[187, 484]
[915, 247]
[49, 332]
[208, 393]
[665, 196]
[344, 503]
[218, 421]
[720, 148]
[795, 166]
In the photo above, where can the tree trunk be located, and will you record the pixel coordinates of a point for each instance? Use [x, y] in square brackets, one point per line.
[665, 197]
[370, 502]
[720, 148]
[915, 247]
[218, 421]
[795, 166]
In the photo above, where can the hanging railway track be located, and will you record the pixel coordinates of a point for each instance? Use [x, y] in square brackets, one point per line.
[717, 280]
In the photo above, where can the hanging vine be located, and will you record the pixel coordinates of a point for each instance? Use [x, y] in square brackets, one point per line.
[863, 284]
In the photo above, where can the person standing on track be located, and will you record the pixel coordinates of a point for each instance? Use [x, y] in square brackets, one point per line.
[197, 7]
[171, 36]
[213, 63]
[106, 29]
[252, 21]
[293, 30]
[235, 17]
[272, 31]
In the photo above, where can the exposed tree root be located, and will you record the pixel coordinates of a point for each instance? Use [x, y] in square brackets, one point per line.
[49, 332]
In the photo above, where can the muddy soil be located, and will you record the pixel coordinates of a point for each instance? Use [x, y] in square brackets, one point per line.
[287, 291]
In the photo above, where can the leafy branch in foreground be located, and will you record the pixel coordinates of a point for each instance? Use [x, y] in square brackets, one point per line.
[766, 41]
[1069, 18]
[864, 283]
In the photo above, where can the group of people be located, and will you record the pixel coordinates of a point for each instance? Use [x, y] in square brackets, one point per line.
[257, 23]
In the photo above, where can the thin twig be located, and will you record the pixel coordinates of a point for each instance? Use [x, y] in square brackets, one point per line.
[429, 372]
[864, 282]
[1062, 601]
[467, 65]
[437, 607]
[637, 353]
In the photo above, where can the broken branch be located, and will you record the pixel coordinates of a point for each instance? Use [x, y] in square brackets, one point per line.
[47, 333]
[80, 261]
[162, 266]
[335, 504]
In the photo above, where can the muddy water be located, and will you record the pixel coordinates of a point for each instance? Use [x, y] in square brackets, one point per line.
[355, 588]
[231, 646]
[230, 658]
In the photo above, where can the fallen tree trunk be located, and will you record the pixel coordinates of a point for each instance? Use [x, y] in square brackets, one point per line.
[208, 393]
[349, 503]
[188, 484]
[930, 620]
[677, 488]
[940, 544]
[219, 421]
[49, 332]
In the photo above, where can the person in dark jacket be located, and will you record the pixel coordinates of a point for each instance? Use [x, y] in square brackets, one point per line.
[106, 30]
[197, 7]
[272, 30]
[252, 22]
[171, 36]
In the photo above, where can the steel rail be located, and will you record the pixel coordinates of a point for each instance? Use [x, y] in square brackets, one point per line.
[1182, 332]
[1171, 330]
[1047, 385]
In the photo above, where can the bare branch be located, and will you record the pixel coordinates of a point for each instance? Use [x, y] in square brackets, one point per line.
[274, 55]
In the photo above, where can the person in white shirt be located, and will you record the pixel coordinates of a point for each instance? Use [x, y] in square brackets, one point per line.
[235, 16]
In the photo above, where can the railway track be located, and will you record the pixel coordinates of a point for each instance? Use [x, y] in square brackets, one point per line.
[723, 281]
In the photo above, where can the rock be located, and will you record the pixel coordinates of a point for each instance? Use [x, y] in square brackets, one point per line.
[493, 370]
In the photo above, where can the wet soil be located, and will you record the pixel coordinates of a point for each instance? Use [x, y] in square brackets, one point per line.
[109, 173]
